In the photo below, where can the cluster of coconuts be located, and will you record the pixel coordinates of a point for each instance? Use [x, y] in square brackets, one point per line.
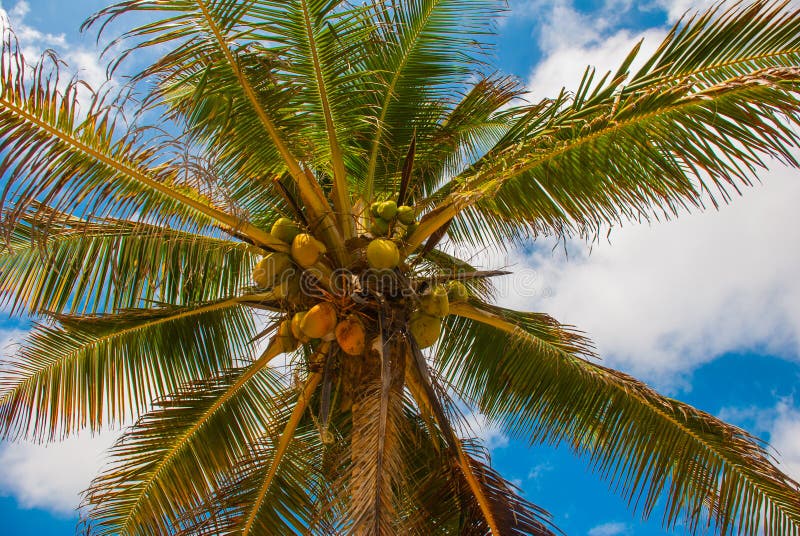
[386, 216]
[425, 323]
[276, 272]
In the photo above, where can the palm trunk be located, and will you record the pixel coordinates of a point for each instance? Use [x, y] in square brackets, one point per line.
[376, 457]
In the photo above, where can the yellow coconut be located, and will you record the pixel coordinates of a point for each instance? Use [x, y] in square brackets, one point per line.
[351, 335]
[425, 328]
[387, 210]
[319, 321]
[297, 331]
[271, 268]
[382, 254]
[285, 337]
[457, 292]
[306, 250]
[435, 303]
[405, 215]
[285, 230]
[288, 288]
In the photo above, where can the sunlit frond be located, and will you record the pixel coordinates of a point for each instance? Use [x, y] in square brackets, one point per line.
[94, 371]
[660, 452]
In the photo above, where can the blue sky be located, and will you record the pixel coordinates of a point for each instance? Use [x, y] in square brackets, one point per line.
[707, 309]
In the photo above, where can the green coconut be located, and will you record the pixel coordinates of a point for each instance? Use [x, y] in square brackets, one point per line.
[379, 227]
[319, 321]
[387, 210]
[285, 230]
[425, 328]
[285, 338]
[375, 209]
[382, 254]
[435, 303]
[351, 335]
[306, 250]
[405, 215]
[270, 269]
[410, 228]
[457, 292]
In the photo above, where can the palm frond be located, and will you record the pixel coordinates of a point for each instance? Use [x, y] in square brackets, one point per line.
[99, 370]
[169, 461]
[496, 508]
[424, 49]
[204, 34]
[692, 128]
[52, 155]
[657, 450]
[57, 263]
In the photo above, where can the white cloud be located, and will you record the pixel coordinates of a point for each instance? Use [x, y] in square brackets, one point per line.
[665, 298]
[609, 529]
[564, 66]
[52, 476]
[785, 439]
[80, 59]
[478, 426]
[781, 423]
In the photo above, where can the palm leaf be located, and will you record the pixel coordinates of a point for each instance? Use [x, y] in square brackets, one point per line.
[691, 128]
[168, 462]
[57, 263]
[204, 34]
[424, 49]
[99, 370]
[50, 153]
[653, 448]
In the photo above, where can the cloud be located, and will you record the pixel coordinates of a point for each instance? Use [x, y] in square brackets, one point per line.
[477, 425]
[80, 59]
[780, 423]
[52, 476]
[609, 529]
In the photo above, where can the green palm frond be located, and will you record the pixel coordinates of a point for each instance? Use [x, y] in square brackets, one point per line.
[213, 43]
[467, 131]
[318, 41]
[691, 128]
[57, 263]
[424, 49]
[653, 447]
[93, 371]
[167, 464]
[52, 154]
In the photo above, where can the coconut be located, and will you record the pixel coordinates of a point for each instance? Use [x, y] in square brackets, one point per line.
[457, 292]
[387, 210]
[285, 230]
[375, 209]
[351, 335]
[297, 321]
[425, 328]
[319, 321]
[436, 303]
[410, 228]
[288, 288]
[379, 227]
[285, 338]
[405, 215]
[271, 268]
[306, 250]
[382, 254]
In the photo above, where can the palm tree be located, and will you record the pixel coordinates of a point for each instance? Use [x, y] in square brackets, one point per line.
[219, 256]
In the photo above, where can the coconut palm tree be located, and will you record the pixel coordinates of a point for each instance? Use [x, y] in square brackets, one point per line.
[247, 258]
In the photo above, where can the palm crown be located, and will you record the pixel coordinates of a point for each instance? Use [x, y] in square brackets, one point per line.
[153, 263]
